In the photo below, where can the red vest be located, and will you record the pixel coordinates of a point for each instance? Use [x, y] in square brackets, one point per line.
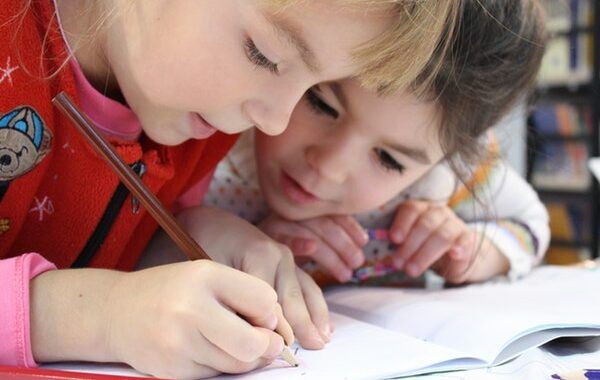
[57, 196]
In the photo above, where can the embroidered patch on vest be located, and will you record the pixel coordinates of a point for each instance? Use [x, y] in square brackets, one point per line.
[24, 142]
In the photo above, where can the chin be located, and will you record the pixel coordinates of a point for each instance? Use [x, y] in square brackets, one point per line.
[168, 140]
[293, 212]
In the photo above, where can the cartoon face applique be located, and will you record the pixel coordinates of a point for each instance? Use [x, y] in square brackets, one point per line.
[24, 142]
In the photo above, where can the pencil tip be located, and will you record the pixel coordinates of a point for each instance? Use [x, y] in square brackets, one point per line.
[287, 355]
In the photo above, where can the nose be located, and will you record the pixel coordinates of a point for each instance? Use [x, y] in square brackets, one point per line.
[271, 113]
[332, 161]
[5, 160]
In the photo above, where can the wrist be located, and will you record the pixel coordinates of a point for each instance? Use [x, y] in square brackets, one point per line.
[69, 315]
[488, 263]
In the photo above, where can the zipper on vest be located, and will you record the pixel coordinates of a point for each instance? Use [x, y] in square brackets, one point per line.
[135, 203]
[107, 220]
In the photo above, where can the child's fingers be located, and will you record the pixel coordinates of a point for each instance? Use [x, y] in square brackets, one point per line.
[459, 269]
[302, 247]
[354, 230]
[222, 326]
[205, 352]
[434, 247]
[338, 240]
[428, 222]
[454, 266]
[329, 260]
[300, 240]
[251, 297]
[283, 327]
[407, 214]
[317, 307]
[294, 306]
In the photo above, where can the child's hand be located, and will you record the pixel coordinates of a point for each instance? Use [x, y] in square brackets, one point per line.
[236, 243]
[189, 320]
[432, 235]
[334, 242]
[184, 320]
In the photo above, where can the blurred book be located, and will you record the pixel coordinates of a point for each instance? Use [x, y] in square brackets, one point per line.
[564, 15]
[567, 61]
[562, 118]
[561, 166]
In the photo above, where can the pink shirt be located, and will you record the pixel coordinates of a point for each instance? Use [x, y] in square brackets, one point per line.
[15, 274]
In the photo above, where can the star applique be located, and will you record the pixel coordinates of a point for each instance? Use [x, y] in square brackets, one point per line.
[7, 72]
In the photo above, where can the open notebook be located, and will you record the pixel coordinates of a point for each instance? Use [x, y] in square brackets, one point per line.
[382, 333]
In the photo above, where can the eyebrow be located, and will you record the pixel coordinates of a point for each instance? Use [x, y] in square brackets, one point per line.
[416, 154]
[293, 36]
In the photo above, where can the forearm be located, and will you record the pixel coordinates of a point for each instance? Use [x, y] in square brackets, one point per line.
[69, 315]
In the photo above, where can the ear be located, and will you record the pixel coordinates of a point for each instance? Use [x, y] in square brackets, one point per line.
[45, 146]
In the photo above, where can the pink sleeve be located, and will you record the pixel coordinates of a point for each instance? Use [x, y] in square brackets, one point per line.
[15, 274]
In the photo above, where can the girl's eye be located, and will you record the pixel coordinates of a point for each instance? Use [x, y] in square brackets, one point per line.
[387, 161]
[258, 58]
[319, 106]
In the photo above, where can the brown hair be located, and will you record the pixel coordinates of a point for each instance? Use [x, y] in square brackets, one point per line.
[492, 64]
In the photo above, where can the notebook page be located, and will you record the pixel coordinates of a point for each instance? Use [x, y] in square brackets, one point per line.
[479, 320]
[358, 351]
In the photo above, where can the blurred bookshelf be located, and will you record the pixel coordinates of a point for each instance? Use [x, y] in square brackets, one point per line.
[563, 129]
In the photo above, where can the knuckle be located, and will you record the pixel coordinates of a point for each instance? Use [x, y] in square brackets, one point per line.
[294, 292]
[427, 222]
[286, 253]
[203, 269]
[444, 235]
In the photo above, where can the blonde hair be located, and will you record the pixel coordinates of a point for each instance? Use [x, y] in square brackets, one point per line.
[420, 35]
[419, 38]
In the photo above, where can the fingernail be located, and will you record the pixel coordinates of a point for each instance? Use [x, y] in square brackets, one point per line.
[357, 260]
[346, 276]
[398, 262]
[458, 252]
[325, 333]
[398, 237]
[412, 270]
[364, 236]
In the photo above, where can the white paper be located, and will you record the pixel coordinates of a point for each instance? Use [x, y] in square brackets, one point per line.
[383, 333]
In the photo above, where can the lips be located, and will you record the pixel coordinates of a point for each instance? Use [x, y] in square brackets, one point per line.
[200, 128]
[295, 192]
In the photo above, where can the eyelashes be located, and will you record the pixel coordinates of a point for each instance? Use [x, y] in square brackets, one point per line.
[387, 161]
[320, 107]
[257, 58]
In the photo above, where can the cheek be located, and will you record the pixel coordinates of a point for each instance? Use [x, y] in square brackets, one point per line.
[199, 63]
